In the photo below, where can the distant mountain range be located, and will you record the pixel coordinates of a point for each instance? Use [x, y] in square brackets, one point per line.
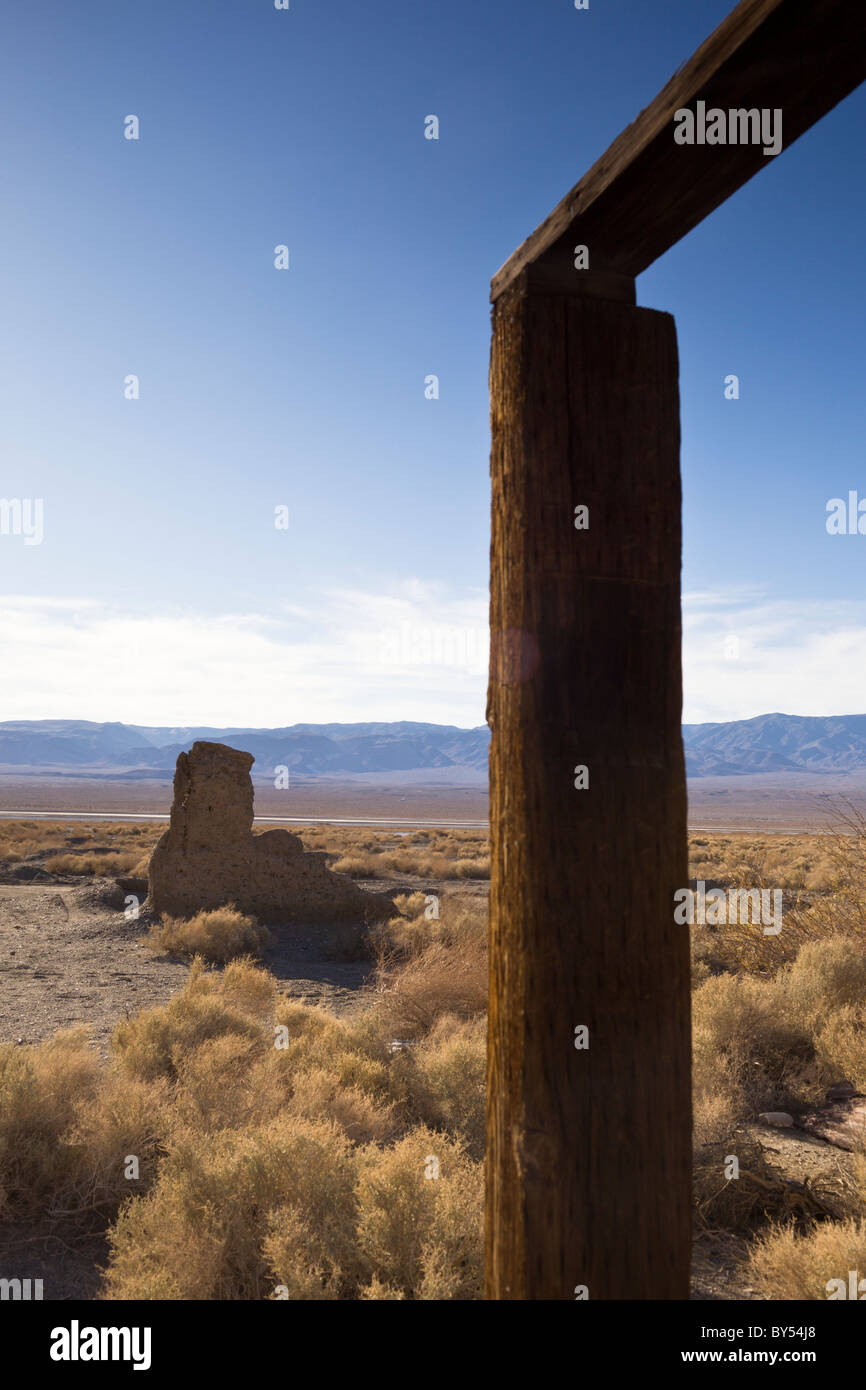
[777, 743]
[394, 750]
[770, 743]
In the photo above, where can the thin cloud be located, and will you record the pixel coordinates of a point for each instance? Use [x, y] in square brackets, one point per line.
[419, 655]
[416, 652]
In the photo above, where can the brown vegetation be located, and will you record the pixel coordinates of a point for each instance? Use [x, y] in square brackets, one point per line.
[217, 936]
[282, 1152]
[286, 1152]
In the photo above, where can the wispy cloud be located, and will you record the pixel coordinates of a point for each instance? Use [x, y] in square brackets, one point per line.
[745, 655]
[418, 652]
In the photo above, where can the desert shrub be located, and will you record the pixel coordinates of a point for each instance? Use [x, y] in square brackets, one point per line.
[826, 976]
[125, 1119]
[446, 1084]
[412, 905]
[760, 1042]
[381, 862]
[787, 1264]
[840, 1046]
[235, 1213]
[446, 972]
[746, 1045]
[219, 935]
[355, 867]
[40, 1089]
[472, 868]
[31, 837]
[353, 1051]
[417, 1233]
[66, 1127]
[299, 1165]
[376, 1291]
[156, 1041]
[317, 1092]
[228, 1081]
[405, 935]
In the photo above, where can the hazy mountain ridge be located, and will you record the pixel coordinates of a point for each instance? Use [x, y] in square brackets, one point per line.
[768, 743]
[306, 749]
[776, 743]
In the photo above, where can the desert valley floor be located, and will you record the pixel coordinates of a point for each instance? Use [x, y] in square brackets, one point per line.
[409, 1011]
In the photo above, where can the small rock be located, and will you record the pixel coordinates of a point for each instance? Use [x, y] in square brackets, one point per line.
[780, 1118]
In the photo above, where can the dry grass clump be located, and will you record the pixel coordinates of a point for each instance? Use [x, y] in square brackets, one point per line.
[76, 841]
[296, 1159]
[473, 868]
[354, 866]
[794, 862]
[220, 935]
[430, 967]
[442, 979]
[41, 1091]
[407, 935]
[777, 1042]
[100, 865]
[66, 1128]
[425, 854]
[419, 1217]
[826, 977]
[156, 1042]
[749, 1053]
[823, 878]
[787, 1264]
[448, 1078]
[201, 1231]
[840, 1045]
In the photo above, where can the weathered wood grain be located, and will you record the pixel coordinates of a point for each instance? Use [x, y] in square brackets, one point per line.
[588, 1156]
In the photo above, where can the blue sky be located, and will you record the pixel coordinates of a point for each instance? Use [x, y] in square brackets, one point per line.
[162, 591]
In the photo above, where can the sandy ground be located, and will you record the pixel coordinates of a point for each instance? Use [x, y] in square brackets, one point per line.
[69, 956]
[308, 801]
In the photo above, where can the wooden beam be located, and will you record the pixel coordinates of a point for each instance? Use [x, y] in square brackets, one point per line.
[646, 191]
[588, 1148]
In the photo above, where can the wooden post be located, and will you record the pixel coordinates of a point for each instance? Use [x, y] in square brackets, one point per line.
[589, 1148]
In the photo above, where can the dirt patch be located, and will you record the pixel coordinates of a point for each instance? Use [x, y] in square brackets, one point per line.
[69, 956]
